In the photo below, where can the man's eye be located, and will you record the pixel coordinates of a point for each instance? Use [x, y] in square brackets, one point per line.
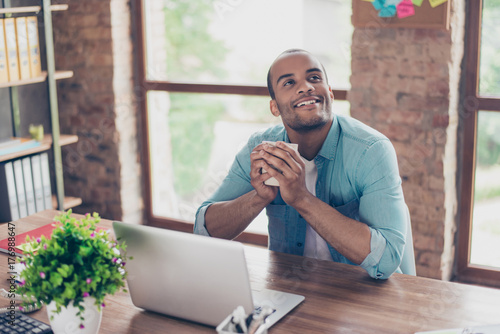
[288, 83]
[315, 77]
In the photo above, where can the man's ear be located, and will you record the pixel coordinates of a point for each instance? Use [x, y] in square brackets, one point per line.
[274, 108]
[331, 93]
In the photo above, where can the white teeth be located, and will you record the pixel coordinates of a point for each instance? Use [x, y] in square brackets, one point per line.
[306, 103]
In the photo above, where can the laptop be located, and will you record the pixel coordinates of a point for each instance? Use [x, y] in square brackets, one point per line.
[193, 277]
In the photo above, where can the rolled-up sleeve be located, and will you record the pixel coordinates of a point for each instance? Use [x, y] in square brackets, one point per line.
[199, 222]
[382, 208]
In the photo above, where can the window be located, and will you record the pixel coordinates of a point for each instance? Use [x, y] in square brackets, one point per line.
[203, 67]
[479, 238]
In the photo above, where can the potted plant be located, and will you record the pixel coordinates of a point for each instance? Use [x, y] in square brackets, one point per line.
[73, 271]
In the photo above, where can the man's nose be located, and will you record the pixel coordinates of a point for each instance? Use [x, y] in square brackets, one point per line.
[305, 86]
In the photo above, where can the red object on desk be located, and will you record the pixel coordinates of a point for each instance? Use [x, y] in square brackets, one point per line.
[20, 239]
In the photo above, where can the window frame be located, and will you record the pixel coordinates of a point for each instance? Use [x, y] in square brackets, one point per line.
[473, 103]
[182, 87]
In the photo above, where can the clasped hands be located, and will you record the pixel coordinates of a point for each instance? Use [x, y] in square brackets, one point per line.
[291, 178]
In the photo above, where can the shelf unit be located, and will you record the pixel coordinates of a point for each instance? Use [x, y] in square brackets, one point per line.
[68, 202]
[55, 140]
[45, 145]
[41, 78]
[32, 9]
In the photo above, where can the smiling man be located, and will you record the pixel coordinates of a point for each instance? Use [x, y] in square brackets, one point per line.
[339, 196]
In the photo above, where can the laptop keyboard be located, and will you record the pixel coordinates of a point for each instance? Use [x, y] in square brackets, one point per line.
[22, 324]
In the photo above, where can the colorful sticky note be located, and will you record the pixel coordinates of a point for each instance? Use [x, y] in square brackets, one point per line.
[418, 2]
[392, 2]
[368, 0]
[435, 3]
[378, 4]
[405, 9]
[388, 11]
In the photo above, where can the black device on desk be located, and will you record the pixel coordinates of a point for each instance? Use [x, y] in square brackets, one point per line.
[22, 323]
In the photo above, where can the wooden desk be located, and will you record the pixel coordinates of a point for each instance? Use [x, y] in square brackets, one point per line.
[339, 298]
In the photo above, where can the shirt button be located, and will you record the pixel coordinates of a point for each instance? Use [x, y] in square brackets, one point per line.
[299, 244]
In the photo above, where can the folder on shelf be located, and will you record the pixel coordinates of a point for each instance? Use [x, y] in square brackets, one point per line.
[47, 188]
[36, 170]
[11, 44]
[8, 196]
[34, 46]
[21, 195]
[28, 186]
[22, 48]
[4, 72]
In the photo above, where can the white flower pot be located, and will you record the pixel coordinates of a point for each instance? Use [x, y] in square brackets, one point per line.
[67, 322]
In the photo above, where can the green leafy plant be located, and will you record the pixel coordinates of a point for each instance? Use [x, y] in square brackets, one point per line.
[77, 262]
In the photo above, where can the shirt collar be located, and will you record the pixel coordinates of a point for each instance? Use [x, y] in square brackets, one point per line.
[330, 144]
[329, 147]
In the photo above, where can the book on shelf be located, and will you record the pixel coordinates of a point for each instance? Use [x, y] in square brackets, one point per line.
[8, 196]
[25, 187]
[21, 246]
[47, 188]
[23, 144]
[36, 170]
[9, 142]
[22, 48]
[11, 45]
[4, 71]
[28, 186]
[34, 46]
[21, 194]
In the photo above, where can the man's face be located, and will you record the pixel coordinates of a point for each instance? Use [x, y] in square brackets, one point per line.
[303, 97]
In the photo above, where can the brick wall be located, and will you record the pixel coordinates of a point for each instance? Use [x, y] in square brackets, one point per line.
[405, 83]
[93, 38]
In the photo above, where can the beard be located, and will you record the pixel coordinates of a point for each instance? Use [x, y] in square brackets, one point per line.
[301, 126]
[298, 123]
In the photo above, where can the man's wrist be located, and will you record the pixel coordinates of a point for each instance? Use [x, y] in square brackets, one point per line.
[258, 201]
[305, 204]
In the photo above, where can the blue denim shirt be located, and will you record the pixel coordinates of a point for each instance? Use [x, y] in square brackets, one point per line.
[357, 175]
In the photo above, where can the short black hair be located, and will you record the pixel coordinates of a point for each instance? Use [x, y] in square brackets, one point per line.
[270, 84]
